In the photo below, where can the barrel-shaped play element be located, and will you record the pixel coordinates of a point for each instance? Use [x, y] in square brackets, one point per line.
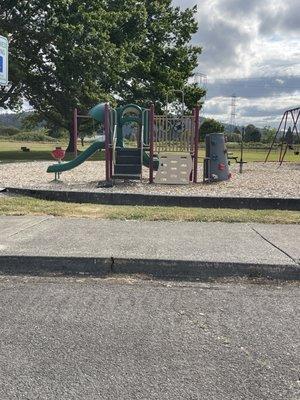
[97, 112]
[216, 166]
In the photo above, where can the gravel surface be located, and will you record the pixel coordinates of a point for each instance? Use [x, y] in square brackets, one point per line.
[258, 180]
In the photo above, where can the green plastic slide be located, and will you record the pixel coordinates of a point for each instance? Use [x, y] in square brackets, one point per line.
[78, 160]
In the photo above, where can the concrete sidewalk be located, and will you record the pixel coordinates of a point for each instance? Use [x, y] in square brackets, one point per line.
[186, 249]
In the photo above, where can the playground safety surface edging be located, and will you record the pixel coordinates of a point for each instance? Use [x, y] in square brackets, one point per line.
[138, 199]
[164, 269]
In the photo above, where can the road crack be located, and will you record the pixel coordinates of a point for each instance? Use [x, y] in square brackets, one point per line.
[296, 261]
[30, 226]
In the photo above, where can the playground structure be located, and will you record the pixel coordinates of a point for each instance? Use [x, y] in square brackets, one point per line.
[288, 129]
[215, 165]
[157, 139]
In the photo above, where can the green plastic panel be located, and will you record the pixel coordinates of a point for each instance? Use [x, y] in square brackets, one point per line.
[97, 112]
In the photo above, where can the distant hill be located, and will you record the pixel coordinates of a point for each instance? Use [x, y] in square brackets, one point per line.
[12, 119]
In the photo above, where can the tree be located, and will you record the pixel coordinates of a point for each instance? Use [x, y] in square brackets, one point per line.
[163, 60]
[233, 137]
[193, 95]
[87, 128]
[252, 134]
[210, 125]
[66, 54]
[268, 134]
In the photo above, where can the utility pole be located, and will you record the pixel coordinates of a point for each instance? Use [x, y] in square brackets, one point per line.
[233, 112]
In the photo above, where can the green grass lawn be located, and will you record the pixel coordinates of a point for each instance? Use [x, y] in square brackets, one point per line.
[260, 155]
[11, 151]
[30, 206]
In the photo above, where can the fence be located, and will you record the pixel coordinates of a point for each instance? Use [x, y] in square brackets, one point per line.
[174, 134]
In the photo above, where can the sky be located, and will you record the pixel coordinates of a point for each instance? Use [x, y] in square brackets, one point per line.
[251, 48]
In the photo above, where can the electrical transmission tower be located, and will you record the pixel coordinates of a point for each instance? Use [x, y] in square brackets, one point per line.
[201, 81]
[233, 112]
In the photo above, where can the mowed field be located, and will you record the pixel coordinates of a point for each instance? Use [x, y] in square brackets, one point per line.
[11, 151]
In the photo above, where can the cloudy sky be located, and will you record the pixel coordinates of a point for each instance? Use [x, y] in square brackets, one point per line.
[250, 48]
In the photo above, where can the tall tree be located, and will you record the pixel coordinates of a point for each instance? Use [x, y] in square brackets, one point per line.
[252, 134]
[74, 53]
[267, 134]
[210, 125]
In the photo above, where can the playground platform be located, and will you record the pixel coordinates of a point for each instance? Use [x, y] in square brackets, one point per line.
[38, 245]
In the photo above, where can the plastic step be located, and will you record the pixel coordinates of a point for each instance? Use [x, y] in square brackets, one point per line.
[130, 169]
[128, 152]
[128, 159]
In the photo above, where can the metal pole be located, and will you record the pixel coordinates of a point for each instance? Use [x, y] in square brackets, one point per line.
[283, 155]
[295, 122]
[274, 139]
[196, 143]
[107, 149]
[283, 136]
[151, 129]
[110, 162]
[242, 150]
[75, 130]
[297, 133]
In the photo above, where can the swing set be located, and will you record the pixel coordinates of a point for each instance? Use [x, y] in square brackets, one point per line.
[288, 129]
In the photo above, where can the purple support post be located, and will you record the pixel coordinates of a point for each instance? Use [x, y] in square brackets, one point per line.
[107, 149]
[196, 143]
[75, 130]
[151, 138]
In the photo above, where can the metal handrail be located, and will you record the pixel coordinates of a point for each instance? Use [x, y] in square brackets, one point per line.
[142, 141]
[114, 144]
[114, 137]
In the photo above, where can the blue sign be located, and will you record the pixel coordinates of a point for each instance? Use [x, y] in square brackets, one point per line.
[3, 61]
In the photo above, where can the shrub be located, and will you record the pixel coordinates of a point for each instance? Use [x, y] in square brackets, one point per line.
[8, 131]
[252, 134]
[33, 136]
[233, 145]
[233, 137]
[58, 133]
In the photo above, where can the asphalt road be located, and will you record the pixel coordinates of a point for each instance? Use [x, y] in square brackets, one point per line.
[127, 338]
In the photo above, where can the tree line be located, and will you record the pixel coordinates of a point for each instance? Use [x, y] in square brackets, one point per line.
[251, 134]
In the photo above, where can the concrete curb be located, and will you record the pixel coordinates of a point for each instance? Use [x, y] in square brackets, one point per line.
[37, 265]
[172, 269]
[139, 199]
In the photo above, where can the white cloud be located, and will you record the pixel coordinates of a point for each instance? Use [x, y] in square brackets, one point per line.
[245, 39]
